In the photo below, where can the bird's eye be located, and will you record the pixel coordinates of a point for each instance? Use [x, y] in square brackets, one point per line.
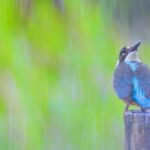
[124, 52]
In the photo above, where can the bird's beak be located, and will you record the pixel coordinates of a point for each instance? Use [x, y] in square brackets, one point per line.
[135, 47]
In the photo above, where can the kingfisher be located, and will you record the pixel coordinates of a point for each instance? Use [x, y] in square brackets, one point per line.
[131, 79]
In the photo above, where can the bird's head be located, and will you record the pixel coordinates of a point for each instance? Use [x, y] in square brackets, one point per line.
[129, 53]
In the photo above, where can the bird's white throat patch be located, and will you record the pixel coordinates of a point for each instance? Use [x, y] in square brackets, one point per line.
[133, 56]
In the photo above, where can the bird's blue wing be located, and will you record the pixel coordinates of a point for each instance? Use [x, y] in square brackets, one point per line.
[122, 81]
[141, 86]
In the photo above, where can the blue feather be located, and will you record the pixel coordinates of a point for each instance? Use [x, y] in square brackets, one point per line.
[132, 65]
[138, 95]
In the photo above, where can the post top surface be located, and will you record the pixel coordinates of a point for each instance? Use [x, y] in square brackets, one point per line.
[137, 113]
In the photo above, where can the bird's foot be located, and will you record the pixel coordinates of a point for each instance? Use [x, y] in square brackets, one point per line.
[142, 109]
[126, 109]
[145, 110]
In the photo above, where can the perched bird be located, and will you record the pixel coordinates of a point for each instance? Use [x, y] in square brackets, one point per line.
[131, 79]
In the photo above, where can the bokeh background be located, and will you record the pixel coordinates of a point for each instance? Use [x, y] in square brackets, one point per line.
[57, 59]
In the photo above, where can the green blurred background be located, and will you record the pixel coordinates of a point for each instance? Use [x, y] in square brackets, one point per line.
[56, 65]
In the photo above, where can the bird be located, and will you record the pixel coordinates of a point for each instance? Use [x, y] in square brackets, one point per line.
[131, 78]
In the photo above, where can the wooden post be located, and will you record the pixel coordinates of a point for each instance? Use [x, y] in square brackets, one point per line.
[137, 130]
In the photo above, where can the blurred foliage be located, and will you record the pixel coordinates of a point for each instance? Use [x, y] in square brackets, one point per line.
[56, 64]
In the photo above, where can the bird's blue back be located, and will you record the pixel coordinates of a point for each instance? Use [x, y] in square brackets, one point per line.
[132, 83]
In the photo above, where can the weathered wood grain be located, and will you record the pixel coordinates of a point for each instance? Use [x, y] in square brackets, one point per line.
[137, 130]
